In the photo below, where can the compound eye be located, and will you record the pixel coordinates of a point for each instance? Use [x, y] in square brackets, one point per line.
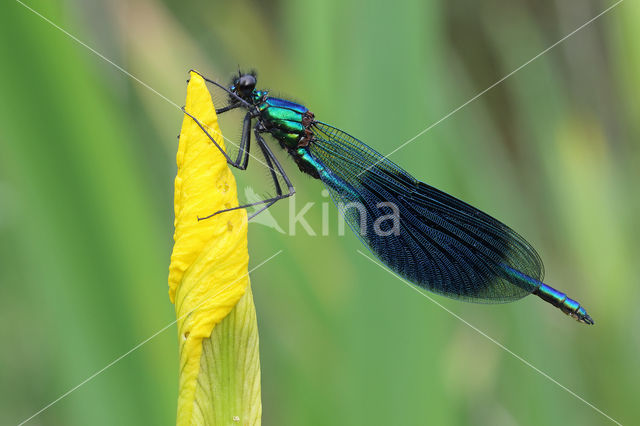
[246, 82]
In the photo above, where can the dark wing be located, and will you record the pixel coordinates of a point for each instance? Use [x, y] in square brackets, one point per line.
[438, 242]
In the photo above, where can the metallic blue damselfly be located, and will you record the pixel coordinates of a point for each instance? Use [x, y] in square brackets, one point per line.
[430, 238]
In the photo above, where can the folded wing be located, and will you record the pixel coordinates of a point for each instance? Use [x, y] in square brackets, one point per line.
[437, 242]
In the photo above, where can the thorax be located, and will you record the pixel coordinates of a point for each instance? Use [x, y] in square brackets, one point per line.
[287, 121]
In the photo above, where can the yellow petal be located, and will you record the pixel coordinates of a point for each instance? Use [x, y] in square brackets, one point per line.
[208, 272]
[204, 185]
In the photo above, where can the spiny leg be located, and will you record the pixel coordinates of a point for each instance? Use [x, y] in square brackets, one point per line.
[228, 108]
[274, 176]
[223, 109]
[263, 208]
[245, 141]
[265, 154]
[235, 102]
[271, 159]
[269, 156]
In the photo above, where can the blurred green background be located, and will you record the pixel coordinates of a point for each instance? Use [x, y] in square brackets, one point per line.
[87, 161]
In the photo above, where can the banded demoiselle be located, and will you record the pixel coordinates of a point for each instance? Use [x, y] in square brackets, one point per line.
[430, 238]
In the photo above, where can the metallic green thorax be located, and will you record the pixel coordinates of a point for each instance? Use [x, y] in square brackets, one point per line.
[282, 118]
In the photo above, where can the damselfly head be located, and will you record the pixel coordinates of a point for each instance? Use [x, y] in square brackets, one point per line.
[244, 84]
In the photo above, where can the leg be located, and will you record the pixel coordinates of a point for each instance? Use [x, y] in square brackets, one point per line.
[244, 142]
[269, 201]
[263, 208]
[227, 108]
[267, 159]
[238, 102]
[274, 176]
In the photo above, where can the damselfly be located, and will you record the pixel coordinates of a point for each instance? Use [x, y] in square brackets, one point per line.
[428, 237]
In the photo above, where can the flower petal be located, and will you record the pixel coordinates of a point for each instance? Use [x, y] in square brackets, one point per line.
[208, 272]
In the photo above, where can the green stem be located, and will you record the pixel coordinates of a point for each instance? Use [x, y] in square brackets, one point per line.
[228, 387]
